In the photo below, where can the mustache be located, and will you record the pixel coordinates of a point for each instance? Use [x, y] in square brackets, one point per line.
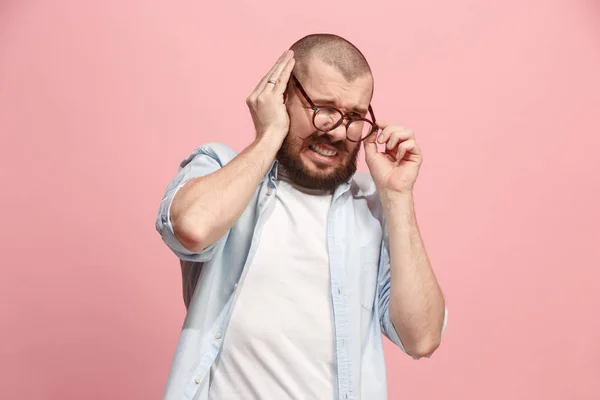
[316, 138]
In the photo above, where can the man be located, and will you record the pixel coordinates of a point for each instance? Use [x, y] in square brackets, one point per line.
[293, 264]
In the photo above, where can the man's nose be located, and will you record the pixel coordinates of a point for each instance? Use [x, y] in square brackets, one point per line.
[337, 134]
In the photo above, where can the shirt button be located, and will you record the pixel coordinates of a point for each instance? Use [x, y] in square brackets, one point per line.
[235, 286]
[218, 335]
[198, 380]
[269, 192]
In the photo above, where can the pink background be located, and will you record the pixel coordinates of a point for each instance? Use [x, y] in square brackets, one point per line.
[100, 101]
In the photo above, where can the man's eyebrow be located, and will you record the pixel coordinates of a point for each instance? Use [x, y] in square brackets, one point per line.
[330, 102]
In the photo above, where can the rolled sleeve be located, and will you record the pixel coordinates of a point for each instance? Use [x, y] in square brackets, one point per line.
[387, 327]
[390, 331]
[203, 161]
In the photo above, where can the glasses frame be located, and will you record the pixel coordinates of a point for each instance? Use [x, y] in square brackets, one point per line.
[350, 120]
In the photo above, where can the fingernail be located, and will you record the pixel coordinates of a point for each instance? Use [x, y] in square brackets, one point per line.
[380, 139]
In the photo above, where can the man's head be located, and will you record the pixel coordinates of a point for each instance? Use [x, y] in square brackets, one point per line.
[333, 72]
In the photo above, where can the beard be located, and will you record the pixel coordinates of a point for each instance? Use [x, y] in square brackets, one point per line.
[289, 158]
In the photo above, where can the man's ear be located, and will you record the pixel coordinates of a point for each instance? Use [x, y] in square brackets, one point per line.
[285, 94]
[288, 89]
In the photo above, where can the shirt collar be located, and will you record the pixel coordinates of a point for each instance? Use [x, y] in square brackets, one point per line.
[274, 171]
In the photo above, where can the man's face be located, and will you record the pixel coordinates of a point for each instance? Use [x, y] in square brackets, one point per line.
[312, 158]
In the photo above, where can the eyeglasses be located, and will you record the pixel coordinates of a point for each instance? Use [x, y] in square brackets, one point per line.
[327, 118]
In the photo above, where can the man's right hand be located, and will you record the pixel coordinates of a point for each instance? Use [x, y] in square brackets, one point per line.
[208, 205]
[266, 102]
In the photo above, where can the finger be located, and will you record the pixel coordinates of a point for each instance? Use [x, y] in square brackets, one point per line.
[383, 134]
[392, 135]
[400, 154]
[403, 148]
[284, 78]
[414, 154]
[273, 79]
[388, 130]
[382, 124]
[372, 137]
[265, 78]
[370, 149]
[395, 138]
[261, 84]
[406, 150]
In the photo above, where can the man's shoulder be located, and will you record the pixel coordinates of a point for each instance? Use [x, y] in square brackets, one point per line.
[220, 152]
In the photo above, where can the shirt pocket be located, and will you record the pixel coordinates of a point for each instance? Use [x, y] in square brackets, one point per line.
[369, 265]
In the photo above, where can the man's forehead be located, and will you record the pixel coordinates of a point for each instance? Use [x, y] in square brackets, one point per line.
[327, 86]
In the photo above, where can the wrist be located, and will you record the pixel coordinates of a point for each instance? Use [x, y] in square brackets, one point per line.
[266, 145]
[394, 196]
[394, 201]
[272, 136]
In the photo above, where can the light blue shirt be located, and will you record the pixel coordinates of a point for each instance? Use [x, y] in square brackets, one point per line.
[359, 264]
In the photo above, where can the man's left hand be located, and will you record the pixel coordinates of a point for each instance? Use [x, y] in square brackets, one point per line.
[395, 169]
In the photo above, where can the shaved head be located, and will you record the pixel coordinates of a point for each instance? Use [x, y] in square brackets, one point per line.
[332, 72]
[332, 50]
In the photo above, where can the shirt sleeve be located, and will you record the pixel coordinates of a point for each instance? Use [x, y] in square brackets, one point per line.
[387, 327]
[203, 161]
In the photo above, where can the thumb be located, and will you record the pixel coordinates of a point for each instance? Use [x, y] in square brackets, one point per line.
[371, 142]
[370, 149]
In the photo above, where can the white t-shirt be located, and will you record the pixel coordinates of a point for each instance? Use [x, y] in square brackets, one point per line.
[288, 352]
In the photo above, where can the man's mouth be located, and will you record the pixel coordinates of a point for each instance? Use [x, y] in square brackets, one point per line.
[322, 150]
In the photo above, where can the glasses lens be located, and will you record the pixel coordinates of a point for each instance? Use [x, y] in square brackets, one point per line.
[327, 118]
[359, 130]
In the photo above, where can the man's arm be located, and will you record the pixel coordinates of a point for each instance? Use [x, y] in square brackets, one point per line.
[206, 207]
[410, 298]
[416, 304]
